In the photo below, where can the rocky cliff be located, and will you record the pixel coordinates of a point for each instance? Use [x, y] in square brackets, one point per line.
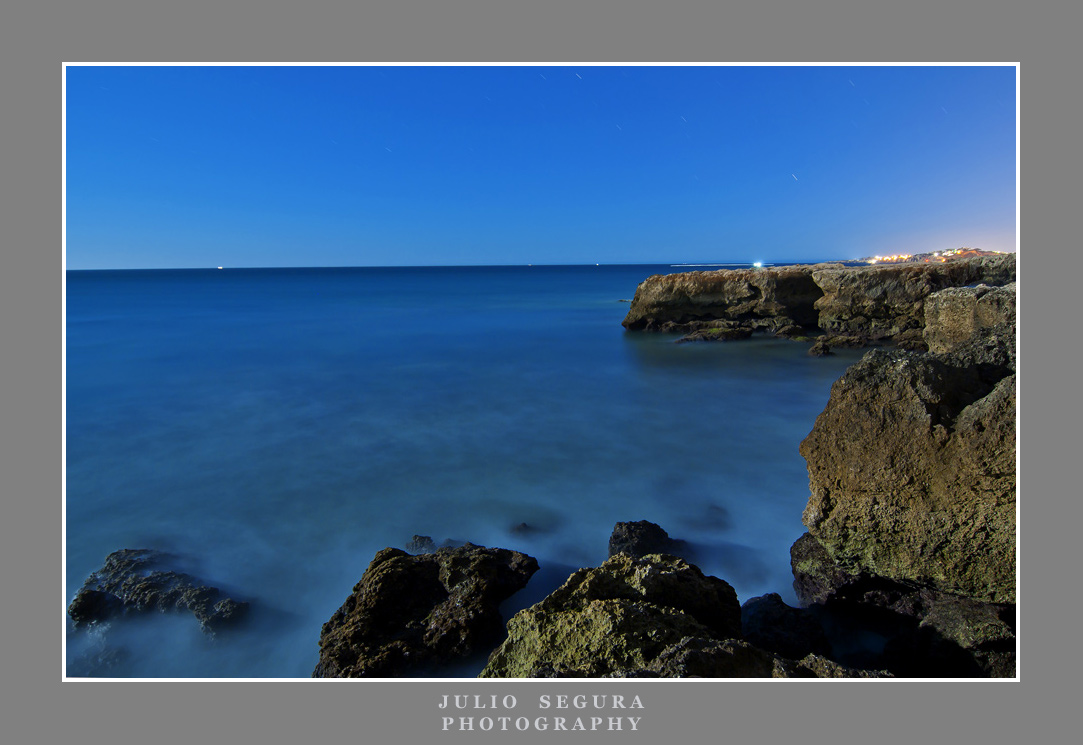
[885, 301]
[757, 298]
[869, 302]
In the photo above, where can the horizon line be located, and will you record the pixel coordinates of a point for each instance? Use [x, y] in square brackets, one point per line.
[446, 266]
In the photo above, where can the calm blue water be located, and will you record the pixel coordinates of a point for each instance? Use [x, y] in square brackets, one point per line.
[275, 428]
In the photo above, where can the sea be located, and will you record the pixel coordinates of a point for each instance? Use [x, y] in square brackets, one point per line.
[272, 429]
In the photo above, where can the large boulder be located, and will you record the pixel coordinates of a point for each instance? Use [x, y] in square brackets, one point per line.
[408, 613]
[619, 616]
[134, 581]
[912, 472]
[882, 302]
[770, 299]
[911, 516]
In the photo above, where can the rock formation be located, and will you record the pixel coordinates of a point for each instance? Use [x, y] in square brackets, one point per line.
[137, 581]
[652, 616]
[412, 612]
[640, 538]
[911, 517]
[912, 473]
[618, 616]
[733, 658]
[925, 632]
[883, 302]
[954, 316]
[757, 298]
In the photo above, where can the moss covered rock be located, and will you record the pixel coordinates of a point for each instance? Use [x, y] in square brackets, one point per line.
[618, 616]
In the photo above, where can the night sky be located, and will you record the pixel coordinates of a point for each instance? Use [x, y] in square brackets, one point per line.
[367, 165]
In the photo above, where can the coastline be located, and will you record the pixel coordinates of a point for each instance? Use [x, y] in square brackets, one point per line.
[775, 314]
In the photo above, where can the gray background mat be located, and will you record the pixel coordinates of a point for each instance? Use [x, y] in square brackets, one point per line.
[39, 707]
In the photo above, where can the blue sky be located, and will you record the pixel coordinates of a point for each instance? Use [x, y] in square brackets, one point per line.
[369, 166]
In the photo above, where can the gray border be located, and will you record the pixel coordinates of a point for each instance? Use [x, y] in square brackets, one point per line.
[37, 38]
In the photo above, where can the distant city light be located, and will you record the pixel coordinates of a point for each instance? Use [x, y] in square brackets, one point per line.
[938, 256]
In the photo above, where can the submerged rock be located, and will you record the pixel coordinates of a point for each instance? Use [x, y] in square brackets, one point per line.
[411, 612]
[792, 332]
[717, 333]
[135, 581]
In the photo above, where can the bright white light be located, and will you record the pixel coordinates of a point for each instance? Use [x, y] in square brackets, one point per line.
[758, 265]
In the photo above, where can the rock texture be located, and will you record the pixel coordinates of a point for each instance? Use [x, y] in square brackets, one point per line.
[924, 632]
[732, 658]
[911, 516]
[139, 581]
[757, 298]
[717, 333]
[969, 633]
[411, 612]
[912, 472]
[617, 617]
[885, 302]
[653, 617]
[955, 315]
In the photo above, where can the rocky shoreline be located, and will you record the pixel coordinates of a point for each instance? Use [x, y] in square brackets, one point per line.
[833, 304]
[907, 569]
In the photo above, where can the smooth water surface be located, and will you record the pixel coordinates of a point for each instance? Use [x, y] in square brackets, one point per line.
[275, 428]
